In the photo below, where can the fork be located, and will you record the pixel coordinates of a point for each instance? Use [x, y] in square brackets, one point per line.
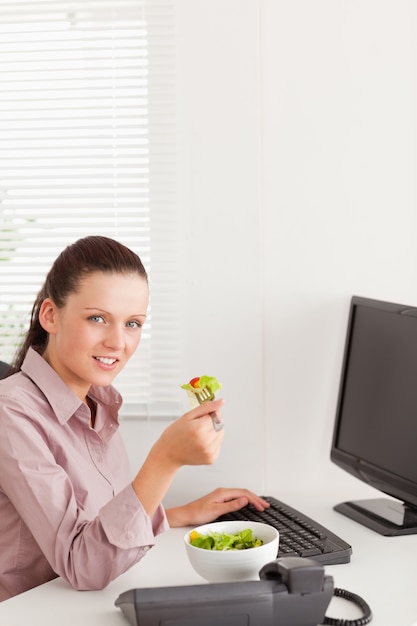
[204, 395]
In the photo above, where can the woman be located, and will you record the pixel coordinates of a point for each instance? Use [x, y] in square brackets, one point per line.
[68, 506]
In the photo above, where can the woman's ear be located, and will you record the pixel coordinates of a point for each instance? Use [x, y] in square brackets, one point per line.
[48, 316]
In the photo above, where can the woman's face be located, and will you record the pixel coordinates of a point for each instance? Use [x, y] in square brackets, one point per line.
[94, 335]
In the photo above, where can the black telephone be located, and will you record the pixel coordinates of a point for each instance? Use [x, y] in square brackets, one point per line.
[292, 591]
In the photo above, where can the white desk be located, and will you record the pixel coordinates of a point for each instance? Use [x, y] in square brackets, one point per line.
[383, 570]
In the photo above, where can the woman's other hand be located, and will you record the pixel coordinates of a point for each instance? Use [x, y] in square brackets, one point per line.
[209, 507]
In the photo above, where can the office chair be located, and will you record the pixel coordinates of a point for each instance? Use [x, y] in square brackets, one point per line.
[4, 368]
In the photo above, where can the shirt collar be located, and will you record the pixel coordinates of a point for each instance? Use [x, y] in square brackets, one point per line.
[63, 401]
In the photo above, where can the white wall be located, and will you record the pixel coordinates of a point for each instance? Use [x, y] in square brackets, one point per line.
[339, 211]
[297, 135]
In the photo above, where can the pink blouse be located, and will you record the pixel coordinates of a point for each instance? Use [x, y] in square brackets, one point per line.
[67, 505]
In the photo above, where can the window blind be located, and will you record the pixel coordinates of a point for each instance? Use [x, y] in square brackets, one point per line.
[87, 146]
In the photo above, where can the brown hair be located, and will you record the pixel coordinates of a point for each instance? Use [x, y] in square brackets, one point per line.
[85, 256]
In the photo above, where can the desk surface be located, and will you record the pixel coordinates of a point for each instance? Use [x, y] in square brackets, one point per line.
[382, 571]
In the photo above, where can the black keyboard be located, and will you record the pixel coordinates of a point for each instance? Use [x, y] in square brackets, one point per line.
[299, 535]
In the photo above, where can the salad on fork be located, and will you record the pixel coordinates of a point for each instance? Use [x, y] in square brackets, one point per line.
[202, 389]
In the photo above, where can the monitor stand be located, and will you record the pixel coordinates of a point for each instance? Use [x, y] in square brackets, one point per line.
[384, 516]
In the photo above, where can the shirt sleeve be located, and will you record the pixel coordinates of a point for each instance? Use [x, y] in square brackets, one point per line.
[127, 525]
[88, 553]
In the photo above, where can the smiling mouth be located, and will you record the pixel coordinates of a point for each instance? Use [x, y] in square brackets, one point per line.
[105, 360]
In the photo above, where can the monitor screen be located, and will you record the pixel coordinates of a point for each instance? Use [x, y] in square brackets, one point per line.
[375, 432]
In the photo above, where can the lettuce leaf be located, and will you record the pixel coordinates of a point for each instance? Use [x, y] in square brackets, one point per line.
[205, 381]
[224, 541]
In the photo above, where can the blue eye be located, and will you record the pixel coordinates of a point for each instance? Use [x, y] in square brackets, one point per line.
[96, 318]
[134, 324]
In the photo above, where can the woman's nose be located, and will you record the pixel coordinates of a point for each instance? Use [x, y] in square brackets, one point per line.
[115, 338]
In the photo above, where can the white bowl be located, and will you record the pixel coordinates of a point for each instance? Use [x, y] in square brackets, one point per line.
[233, 565]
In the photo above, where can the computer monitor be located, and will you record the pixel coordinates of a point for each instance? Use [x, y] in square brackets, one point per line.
[375, 431]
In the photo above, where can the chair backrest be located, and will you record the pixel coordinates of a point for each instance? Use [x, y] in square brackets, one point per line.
[4, 368]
